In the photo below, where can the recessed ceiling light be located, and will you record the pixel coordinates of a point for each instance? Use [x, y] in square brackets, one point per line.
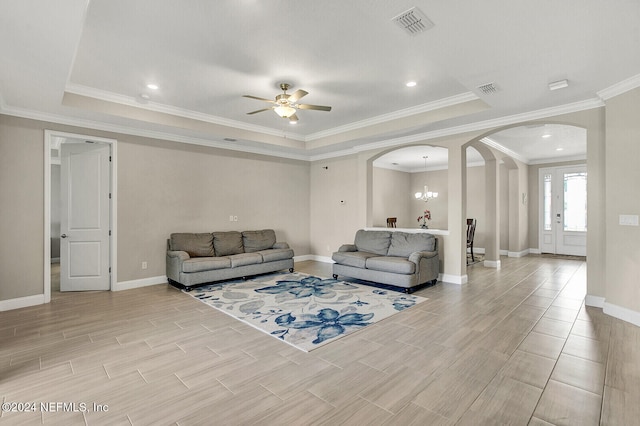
[411, 84]
[559, 149]
[546, 136]
[144, 96]
[152, 86]
[293, 122]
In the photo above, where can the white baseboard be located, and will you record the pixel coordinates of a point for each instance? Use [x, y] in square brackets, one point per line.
[323, 259]
[624, 314]
[454, 279]
[594, 301]
[518, 253]
[144, 282]
[21, 302]
[504, 252]
[535, 251]
[492, 264]
[55, 260]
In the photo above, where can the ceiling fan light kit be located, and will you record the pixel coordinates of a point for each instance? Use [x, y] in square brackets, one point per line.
[285, 104]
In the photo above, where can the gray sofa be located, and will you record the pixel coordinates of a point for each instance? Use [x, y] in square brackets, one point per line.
[194, 259]
[394, 258]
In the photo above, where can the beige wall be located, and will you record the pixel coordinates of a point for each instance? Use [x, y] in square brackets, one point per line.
[392, 197]
[393, 185]
[163, 187]
[166, 187]
[437, 181]
[336, 209]
[21, 208]
[623, 198]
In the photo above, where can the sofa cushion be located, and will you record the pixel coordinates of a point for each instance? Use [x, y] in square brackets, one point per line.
[197, 245]
[403, 244]
[373, 241]
[226, 243]
[199, 264]
[258, 240]
[272, 255]
[244, 259]
[396, 265]
[352, 258]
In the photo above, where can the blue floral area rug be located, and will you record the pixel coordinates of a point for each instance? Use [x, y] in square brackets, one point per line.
[302, 310]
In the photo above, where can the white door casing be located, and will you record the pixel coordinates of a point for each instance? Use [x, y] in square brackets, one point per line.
[85, 218]
[563, 223]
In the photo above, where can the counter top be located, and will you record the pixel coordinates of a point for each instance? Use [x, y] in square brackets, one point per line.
[412, 230]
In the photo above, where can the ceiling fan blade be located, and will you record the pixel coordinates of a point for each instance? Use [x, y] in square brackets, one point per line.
[260, 99]
[293, 118]
[315, 107]
[297, 95]
[260, 110]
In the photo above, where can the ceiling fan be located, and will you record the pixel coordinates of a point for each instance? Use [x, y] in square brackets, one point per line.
[285, 105]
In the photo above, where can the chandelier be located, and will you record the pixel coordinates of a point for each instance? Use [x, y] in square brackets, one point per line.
[426, 195]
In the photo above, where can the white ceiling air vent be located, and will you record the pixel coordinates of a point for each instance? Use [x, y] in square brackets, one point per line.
[488, 88]
[413, 21]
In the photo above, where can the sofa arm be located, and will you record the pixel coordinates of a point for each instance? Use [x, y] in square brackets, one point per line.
[417, 255]
[427, 265]
[174, 264]
[280, 245]
[348, 247]
[179, 255]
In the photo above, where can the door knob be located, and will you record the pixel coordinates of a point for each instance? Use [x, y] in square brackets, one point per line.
[63, 236]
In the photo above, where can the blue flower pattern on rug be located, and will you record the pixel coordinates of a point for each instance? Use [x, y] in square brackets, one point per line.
[305, 287]
[303, 310]
[328, 322]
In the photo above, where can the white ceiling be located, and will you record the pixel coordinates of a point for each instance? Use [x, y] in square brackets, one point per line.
[88, 63]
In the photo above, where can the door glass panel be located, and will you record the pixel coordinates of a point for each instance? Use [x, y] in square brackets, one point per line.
[547, 202]
[575, 202]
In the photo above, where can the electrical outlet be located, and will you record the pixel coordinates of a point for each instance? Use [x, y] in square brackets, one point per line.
[235, 218]
[231, 218]
[144, 265]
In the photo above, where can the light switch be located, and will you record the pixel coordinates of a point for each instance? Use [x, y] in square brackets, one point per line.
[628, 219]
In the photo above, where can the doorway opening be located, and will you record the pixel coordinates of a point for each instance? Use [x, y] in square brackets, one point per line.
[75, 252]
[563, 210]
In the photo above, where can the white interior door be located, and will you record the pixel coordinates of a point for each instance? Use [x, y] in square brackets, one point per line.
[84, 223]
[563, 210]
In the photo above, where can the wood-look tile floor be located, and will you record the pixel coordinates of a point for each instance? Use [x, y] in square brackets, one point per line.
[513, 346]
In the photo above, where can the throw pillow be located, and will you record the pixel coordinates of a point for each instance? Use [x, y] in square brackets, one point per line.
[227, 243]
[258, 240]
[197, 245]
[403, 244]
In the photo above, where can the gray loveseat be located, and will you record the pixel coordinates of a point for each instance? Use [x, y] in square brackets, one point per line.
[194, 259]
[397, 258]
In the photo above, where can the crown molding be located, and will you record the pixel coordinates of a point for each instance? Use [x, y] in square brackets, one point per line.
[558, 159]
[407, 112]
[620, 88]
[411, 139]
[103, 95]
[95, 125]
[495, 145]
[471, 127]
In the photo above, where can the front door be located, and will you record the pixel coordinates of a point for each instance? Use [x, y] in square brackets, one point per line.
[85, 219]
[564, 210]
